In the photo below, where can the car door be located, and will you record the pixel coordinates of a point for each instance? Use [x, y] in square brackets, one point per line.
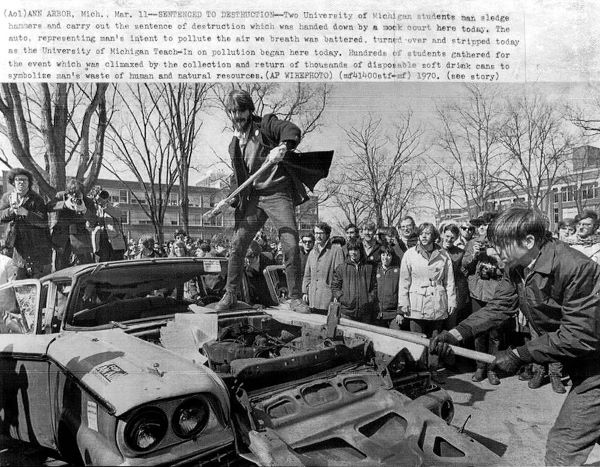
[27, 375]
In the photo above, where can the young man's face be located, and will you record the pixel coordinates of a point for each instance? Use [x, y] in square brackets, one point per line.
[448, 239]
[21, 184]
[308, 243]
[467, 230]
[351, 233]
[368, 234]
[406, 228]
[426, 237]
[241, 119]
[519, 253]
[586, 227]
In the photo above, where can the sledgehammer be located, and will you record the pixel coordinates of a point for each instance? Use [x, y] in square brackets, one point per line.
[416, 339]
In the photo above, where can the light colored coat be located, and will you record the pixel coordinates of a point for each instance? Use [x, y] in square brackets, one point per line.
[426, 286]
[318, 275]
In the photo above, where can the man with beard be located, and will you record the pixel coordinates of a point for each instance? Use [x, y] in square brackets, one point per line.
[273, 194]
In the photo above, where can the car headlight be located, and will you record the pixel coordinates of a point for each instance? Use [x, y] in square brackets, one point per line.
[190, 417]
[146, 429]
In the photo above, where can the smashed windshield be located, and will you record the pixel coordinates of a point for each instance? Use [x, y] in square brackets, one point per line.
[111, 295]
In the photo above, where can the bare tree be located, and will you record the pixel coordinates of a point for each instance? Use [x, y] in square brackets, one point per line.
[441, 188]
[140, 140]
[49, 124]
[469, 137]
[181, 111]
[536, 146]
[380, 175]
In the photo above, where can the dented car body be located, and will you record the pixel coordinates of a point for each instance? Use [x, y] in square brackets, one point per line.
[128, 363]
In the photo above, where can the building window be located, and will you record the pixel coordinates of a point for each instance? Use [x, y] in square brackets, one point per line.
[174, 199]
[589, 190]
[217, 221]
[123, 196]
[124, 217]
[556, 198]
[568, 193]
[207, 201]
[195, 219]
[556, 216]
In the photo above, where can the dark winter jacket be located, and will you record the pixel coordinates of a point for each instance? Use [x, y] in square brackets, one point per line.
[560, 297]
[355, 287]
[409, 243]
[265, 134]
[387, 290]
[30, 233]
[481, 286]
[72, 227]
[460, 279]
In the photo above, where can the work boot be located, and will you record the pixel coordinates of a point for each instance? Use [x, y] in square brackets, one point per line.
[537, 380]
[493, 378]
[297, 305]
[526, 374]
[228, 302]
[557, 385]
[479, 375]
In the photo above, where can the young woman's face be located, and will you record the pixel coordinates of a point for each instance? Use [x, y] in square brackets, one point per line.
[426, 237]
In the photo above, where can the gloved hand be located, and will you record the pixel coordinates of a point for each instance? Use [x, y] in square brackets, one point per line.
[507, 361]
[440, 344]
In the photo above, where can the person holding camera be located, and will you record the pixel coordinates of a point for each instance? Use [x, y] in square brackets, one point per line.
[483, 268]
[24, 213]
[71, 236]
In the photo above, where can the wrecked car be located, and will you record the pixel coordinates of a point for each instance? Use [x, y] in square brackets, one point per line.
[127, 362]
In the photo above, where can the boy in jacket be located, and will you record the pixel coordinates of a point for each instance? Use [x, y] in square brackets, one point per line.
[355, 286]
[558, 290]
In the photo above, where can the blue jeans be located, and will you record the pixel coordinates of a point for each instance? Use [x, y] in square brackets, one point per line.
[577, 427]
[280, 209]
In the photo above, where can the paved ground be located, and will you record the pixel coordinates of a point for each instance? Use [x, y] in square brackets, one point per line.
[510, 419]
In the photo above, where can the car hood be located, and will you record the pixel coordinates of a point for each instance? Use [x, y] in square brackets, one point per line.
[124, 371]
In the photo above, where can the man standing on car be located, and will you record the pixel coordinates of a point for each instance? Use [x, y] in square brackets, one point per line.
[558, 290]
[273, 194]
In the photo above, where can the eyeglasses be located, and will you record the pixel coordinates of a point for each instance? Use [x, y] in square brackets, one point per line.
[308, 241]
[466, 227]
[21, 180]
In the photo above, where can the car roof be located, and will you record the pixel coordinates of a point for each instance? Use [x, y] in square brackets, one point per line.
[73, 271]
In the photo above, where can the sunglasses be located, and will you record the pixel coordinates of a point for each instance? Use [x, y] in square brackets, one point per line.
[463, 227]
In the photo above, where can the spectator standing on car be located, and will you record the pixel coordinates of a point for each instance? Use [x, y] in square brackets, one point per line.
[203, 250]
[71, 237]
[426, 294]
[408, 237]
[27, 230]
[307, 243]
[354, 285]
[108, 238]
[586, 240]
[558, 290]
[272, 196]
[178, 249]
[321, 264]
[388, 278]
[484, 272]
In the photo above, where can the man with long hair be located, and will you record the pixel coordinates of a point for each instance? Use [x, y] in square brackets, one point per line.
[274, 194]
